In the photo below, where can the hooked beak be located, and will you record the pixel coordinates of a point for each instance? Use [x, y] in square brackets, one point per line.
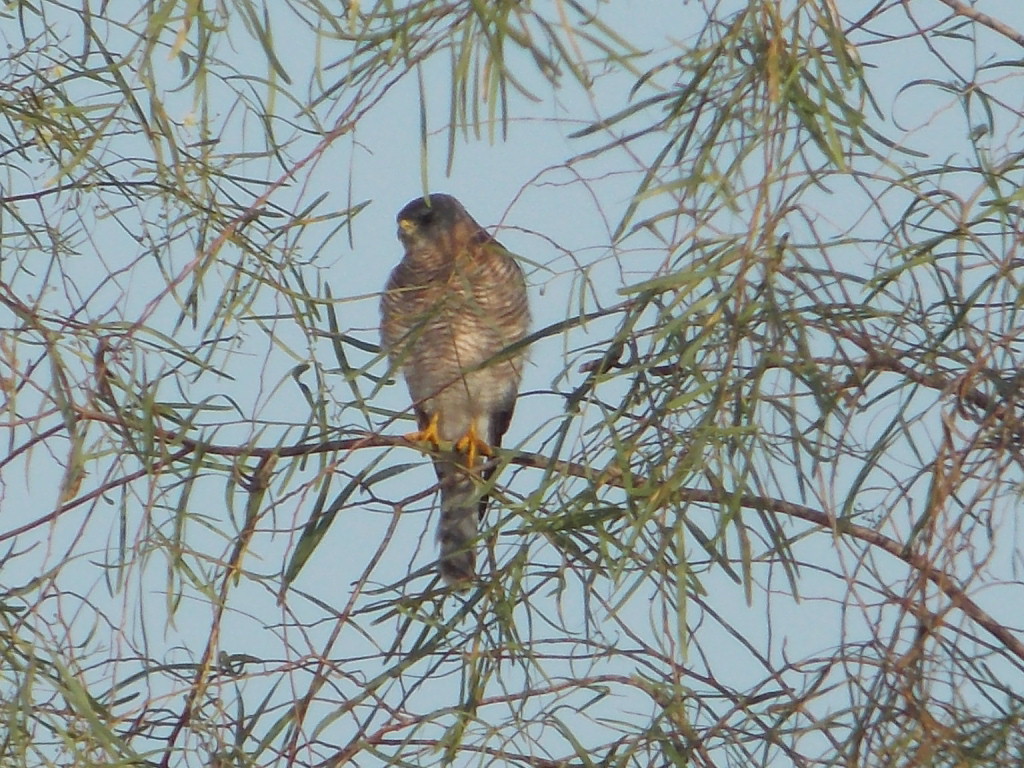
[406, 227]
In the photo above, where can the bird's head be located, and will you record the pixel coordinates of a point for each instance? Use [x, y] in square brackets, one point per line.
[427, 219]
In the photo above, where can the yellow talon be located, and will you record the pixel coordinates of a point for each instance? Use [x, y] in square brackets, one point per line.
[428, 434]
[473, 446]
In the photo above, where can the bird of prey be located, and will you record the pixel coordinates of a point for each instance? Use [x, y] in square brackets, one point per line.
[450, 310]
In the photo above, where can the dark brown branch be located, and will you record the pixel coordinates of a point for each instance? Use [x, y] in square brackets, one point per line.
[946, 583]
[942, 580]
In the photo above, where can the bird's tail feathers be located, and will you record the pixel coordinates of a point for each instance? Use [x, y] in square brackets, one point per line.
[457, 531]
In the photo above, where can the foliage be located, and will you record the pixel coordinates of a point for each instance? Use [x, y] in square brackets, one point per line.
[760, 504]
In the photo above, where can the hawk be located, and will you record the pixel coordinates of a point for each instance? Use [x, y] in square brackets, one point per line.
[455, 302]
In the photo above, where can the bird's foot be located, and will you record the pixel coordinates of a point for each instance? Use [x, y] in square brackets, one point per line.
[471, 445]
[428, 434]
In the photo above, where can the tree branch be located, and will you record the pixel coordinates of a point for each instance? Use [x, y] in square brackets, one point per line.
[945, 582]
[983, 18]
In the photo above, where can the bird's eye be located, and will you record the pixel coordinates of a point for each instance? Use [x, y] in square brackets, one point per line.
[427, 216]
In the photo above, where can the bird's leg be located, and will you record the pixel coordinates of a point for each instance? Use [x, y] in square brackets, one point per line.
[428, 434]
[471, 444]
